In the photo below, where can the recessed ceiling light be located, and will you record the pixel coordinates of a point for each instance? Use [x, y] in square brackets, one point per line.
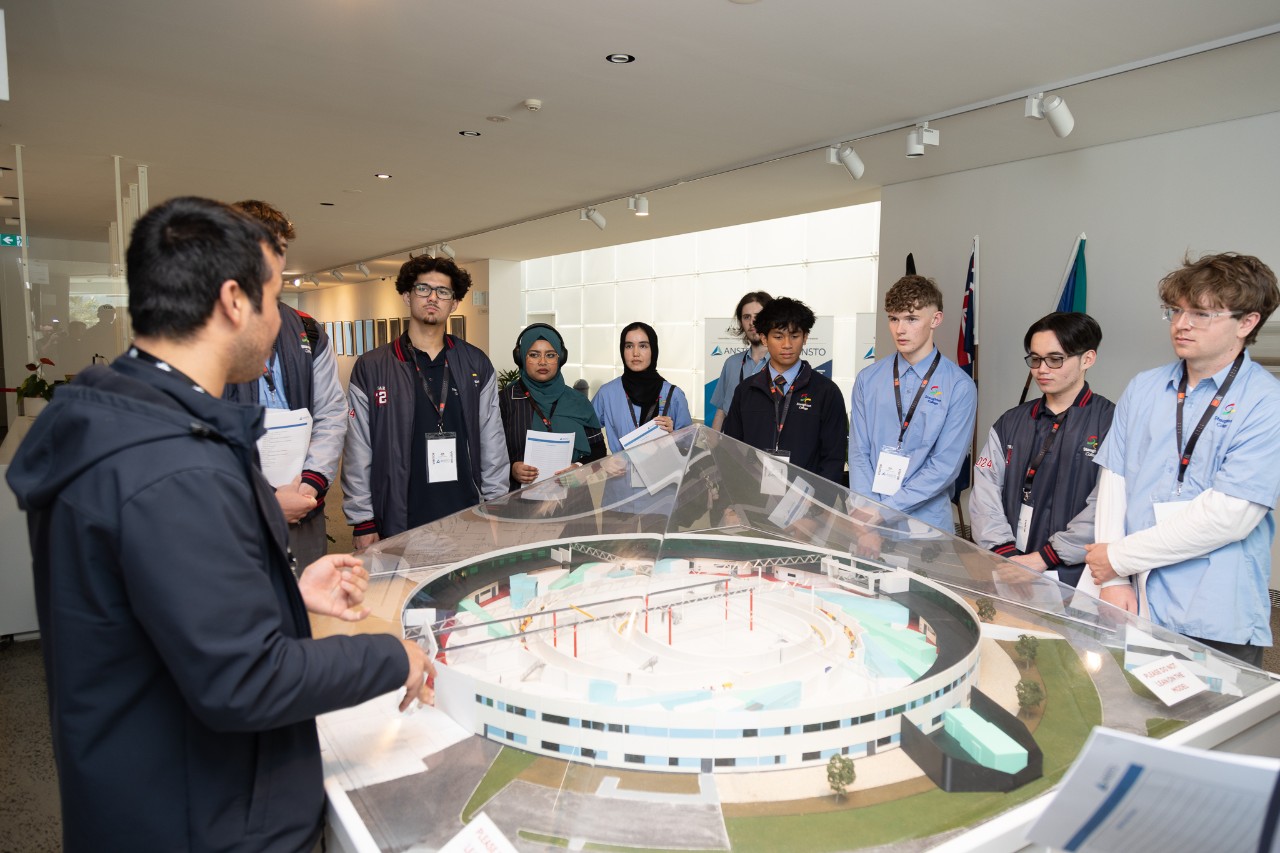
[620, 58]
[497, 119]
[468, 133]
[326, 204]
[383, 175]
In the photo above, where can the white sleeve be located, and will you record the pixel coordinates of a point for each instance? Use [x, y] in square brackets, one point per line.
[986, 496]
[1202, 525]
[1108, 524]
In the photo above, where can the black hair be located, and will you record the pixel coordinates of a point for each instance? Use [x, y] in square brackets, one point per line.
[179, 255]
[459, 278]
[786, 314]
[1076, 332]
[747, 298]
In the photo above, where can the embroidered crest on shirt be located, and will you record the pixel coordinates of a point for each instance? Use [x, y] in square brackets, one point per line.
[804, 402]
[1223, 418]
[304, 343]
[935, 395]
[1090, 446]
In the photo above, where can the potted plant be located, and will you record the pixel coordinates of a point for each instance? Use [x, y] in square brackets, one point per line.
[34, 387]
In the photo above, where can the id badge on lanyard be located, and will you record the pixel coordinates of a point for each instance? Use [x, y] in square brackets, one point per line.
[1025, 512]
[442, 457]
[891, 470]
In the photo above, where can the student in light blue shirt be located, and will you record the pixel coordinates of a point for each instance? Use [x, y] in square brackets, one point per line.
[639, 396]
[745, 364]
[907, 448]
[1190, 480]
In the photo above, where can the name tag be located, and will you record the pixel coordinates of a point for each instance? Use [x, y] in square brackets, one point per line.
[1024, 527]
[891, 470]
[442, 457]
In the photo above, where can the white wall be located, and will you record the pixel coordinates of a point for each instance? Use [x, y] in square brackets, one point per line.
[827, 259]
[372, 300]
[1143, 204]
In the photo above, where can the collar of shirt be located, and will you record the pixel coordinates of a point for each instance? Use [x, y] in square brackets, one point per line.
[1043, 410]
[920, 368]
[754, 363]
[789, 374]
[1175, 375]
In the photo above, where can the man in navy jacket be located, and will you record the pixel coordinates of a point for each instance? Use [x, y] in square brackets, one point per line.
[183, 682]
[789, 409]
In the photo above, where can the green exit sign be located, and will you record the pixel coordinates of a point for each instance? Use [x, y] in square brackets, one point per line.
[10, 239]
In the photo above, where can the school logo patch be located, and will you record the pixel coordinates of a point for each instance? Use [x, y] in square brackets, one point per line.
[935, 395]
[380, 395]
[304, 343]
[1090, 446]
[804, 403]
[1223, 418]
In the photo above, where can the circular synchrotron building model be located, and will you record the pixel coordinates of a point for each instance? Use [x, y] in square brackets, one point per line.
[703, 654]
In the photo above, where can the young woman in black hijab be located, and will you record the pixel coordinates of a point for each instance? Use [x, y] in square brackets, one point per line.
[640, 395]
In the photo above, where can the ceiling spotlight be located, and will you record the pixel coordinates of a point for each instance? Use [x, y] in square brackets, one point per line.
[620, 58]
[1054, 110]
[383, 175]
[595, 217]
[468, 133]
[337, 274]
[447, 250]
[315, 281]
[920, 136]
[844, 155]
[639, 204]
[363, 268]
[297, 282]
[431, 252]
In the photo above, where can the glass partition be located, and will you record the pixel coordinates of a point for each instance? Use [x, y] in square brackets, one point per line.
[693, 645]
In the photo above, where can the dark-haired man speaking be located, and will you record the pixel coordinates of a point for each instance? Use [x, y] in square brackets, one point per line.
[183, 682]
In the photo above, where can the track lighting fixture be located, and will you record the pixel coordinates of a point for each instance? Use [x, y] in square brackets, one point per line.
[315, 281]
[1053, 110]
[844, 155]
[337, 274]
[363, 268]
[920, 136]
[639, 205]
[447, 251]
[297, 282]
[595, 217]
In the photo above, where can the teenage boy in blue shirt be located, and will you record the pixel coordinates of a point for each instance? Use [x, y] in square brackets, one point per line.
[743, 365]
[912, 414]
[1190, 480]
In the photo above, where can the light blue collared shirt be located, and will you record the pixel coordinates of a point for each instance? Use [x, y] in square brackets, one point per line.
[1222, 595]
[612, 407]
[937, 441]
[789, 374]
[266, 397]
[736, 368]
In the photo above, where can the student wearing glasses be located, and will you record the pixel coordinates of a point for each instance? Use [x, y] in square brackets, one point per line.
[425, 438]
[1190, 481]
[1034, 483]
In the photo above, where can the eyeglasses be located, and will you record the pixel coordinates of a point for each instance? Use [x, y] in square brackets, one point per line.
[1054, 361]
[1174, 314]
[441, 292]
[543, 356]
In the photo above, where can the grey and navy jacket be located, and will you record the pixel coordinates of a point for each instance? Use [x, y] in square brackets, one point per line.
[1063, 491]
[375, 464]
[310, 382]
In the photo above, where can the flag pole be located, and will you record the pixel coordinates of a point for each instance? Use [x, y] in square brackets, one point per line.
[1062, 289]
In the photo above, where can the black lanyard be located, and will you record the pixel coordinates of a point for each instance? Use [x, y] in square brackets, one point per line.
[1184, 455]
[546, 419]
[905, 420]
[426, 386]
[268, 374]
[780, 419]
[1034, 467]
[663, 408]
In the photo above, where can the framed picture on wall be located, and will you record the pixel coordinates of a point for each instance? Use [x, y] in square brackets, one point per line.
[458, 327]
[346, 337]
[359, 350]
[380, 330]
[328, 331]
[335, 338]
[393, 327]
[368, 335]
[404, 324]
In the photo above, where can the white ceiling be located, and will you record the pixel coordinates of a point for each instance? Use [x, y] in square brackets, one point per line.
[722, 118]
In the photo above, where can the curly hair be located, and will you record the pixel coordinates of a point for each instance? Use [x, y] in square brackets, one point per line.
[912, 292]
[459, 278]
[1240, 283]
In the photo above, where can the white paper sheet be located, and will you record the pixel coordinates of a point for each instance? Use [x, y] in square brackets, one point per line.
[549, 452]
[1131, 794]
[283, 448]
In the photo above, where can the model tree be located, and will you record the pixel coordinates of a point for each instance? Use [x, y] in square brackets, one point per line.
[840, 773]
[1030, 694]
[1027, 647]
[986, 609]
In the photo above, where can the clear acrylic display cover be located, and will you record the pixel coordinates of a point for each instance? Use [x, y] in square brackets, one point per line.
[694, 646]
